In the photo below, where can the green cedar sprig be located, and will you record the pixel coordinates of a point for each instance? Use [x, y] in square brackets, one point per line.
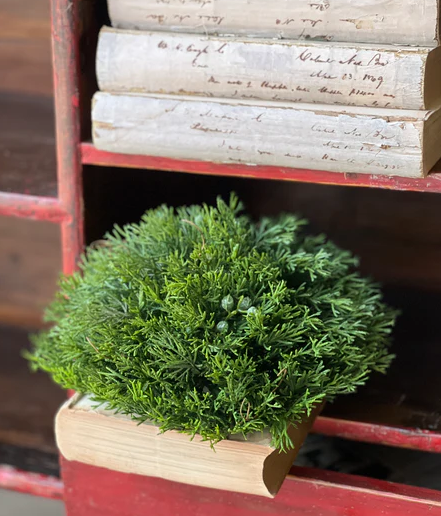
[205, 322]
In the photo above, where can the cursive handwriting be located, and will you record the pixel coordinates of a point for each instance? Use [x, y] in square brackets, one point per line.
[308, 74]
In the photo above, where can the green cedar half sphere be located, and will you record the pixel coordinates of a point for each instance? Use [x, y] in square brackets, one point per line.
[205, 322]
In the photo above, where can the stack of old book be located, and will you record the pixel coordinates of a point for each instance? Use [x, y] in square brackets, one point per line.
[337, 85]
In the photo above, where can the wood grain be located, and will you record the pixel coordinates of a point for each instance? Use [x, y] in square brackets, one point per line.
[27, 145]
[25, 49]
[30, 262]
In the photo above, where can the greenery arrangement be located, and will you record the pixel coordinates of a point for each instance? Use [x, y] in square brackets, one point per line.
[206, 322]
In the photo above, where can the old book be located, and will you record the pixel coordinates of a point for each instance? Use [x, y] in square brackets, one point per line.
[326, 73]
[92, 434]
[308, 136]
[405, 22]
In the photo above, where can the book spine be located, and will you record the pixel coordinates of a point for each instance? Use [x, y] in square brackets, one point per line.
[351, 75]
[272, 134]
[406, 22]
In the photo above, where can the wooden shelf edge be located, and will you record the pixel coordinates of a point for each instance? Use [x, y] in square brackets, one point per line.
[31, 483]
[360, 484]
[32, 207]
[373, 433]
[92, 156]
[305, 491]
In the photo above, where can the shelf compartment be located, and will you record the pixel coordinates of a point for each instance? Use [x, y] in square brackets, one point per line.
[399, 242]
[31, 483]
[403, 407]
[27, 145]
[28, 177]
[27, 408]
[28, 186]
[92, 156]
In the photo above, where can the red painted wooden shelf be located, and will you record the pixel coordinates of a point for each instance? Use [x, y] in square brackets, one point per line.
[401, 437]
[28, 177]
[31, 207]
[92, 156]
[30, 483]
[399, 409]
[309, 492]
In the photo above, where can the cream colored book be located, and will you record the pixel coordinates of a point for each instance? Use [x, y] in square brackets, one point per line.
[290, 71]
[403, 22]
[90, 433]
[350, 140]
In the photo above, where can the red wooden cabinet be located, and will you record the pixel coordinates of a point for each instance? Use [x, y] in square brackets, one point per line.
[396, 233]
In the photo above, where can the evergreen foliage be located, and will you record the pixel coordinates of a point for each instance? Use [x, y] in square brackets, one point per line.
[205, 322]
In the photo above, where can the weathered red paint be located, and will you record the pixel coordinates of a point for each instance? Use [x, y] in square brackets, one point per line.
[76, 101]
[98, 492]
[413, 438]
[65, 53]
[32, 207]
[93, 156]
[31, 483]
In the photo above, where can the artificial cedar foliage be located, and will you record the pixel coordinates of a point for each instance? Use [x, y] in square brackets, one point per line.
[206, 322]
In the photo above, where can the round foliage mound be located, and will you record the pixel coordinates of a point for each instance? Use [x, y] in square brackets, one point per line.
[206, 322]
